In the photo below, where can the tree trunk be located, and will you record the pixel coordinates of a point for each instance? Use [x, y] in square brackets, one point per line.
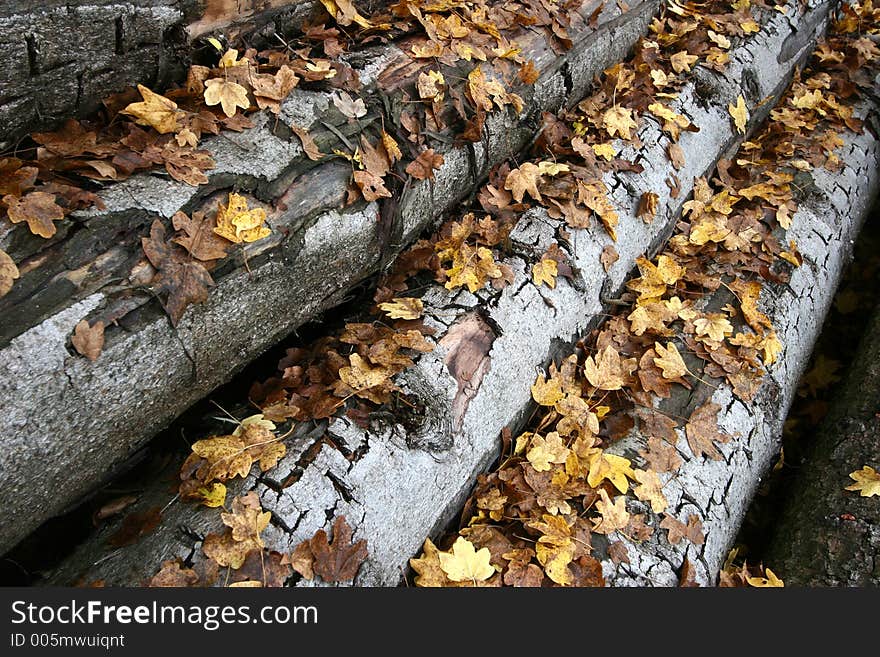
[397, 485]
[826, 535]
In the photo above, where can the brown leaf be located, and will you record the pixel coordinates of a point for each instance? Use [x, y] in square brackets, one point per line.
[661, 456]
[647, 210]
[676, 156]
[687, 576]
[301, 560]
[8, 273]
[339, 560]
[423, 166]
[173, 574]
[229, 95]
[270, 90]
[371, 186]
[309, 146]
[38, 209]
[702, 431]
[200, 239]
[609, 257]
[187, 165]
[618, 553]
[267, 567]
[185, 281]
[88, 340]
[524, 575]
[134, 526]
[693, 531]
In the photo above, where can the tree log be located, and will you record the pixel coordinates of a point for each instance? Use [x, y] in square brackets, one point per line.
[71, 421]
[395, 484]
[826, 535]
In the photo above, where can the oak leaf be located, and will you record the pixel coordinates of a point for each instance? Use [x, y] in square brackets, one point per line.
[88, 340]
[465, 564]
[38, 209]
[867, 482]
[156, 111]
[229, 95]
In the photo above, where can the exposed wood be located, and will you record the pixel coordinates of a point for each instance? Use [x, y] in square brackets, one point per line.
[398, 484]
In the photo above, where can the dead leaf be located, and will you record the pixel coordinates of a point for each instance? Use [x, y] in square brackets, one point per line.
[372, 186]
[88, 340]
[740, 114]
[8, 273]
[867, 482]
[174, 574]
[229, 95]
[237, 223]
[339, 560]
[702, 431]
[465, 564]
[424, 165]
[545, 272]
[351, 108]
[135, 526]
[155, 111]
[403, 308]
[309, 146]
[38, 209]
[200, 239]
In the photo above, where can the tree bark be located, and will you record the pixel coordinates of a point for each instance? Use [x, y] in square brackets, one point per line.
[826, 535]
[395, 484]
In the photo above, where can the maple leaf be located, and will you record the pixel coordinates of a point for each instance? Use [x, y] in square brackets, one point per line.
[670, 361]
[528, 72]
[246, 522]
[211, 495]
[38, 209]
[186, 282]
[472, 267]
[614, 515]
[262, 568]
[423, 166]
[403, 308]
[867, 481]
[614, 468]
[609, 257]
[770, 581]
[8, 273]
[391, 147]
[301, 560]
[353, 109]
[135, 526]
[713, 325]
[155, 111]
[650, 490]
[371, 185]
[173, 574]
[339, 560]
[619, 121]
[522, 180]
[345, 13]
[661, 456]
[200, 239]
[466, 564]
[606, 150]
[608, 371]
[740, 114]
[430, 86]
[702, 431]
[270, 90]
[88, 340]
[682, 61]
[547, 392]
[229, 95]
[545, 272]
[545, 451]
[237, 223]
[428, 569]
[360, 375]
[677, 530]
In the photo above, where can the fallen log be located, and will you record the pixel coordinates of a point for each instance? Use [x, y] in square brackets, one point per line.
[825, 534]
[150, 371]
[397, 484]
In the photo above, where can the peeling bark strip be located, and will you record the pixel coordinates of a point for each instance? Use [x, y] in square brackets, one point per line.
[149, 372]
[420, 479]
[826, 535]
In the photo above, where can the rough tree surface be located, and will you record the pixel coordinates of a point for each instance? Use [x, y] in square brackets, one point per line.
[420, 477]
[826, 535]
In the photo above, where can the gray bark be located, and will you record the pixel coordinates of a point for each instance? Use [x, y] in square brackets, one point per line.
[149, 371]
[397, 485]
[825, 535]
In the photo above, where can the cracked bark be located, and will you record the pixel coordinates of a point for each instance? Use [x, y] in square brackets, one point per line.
[401, 493]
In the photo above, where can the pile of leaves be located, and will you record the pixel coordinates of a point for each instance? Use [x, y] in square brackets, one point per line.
[533, 521]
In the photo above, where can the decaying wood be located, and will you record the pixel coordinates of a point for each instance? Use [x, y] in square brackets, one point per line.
[150, 371]
[398, 484]
[826, 535]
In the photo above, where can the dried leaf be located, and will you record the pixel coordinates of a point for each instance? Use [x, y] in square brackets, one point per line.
[88, 340]
[237, 223]
[229, 95]
[867, 482]
[339, 560]
[740, 114]
[403, 308]
[8, 273]
[200, 239]
[38, 209]
[465, 564]
[424, 165]
[155, 111]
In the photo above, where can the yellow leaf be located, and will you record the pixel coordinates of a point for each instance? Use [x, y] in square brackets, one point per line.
[430, 86]
[522, 180]
[212, 496]
[547, 392]
[867, 481]
[229, 95]
[230, 59]
[238, 224]
[403, 308]
[155, 111]
[391, 147]
[619, 121]
[614, 515]
[650, 490]
[607, 371]
[771, 581]
[545, 272]
[605, 150]
[427, 567]
[545, 451]
[555, 559]
[614, 468]
[713, 325]
[682, 61]
[257, 420]
[740, 114]
[360, 375]
[669, 361]
[465, 563]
